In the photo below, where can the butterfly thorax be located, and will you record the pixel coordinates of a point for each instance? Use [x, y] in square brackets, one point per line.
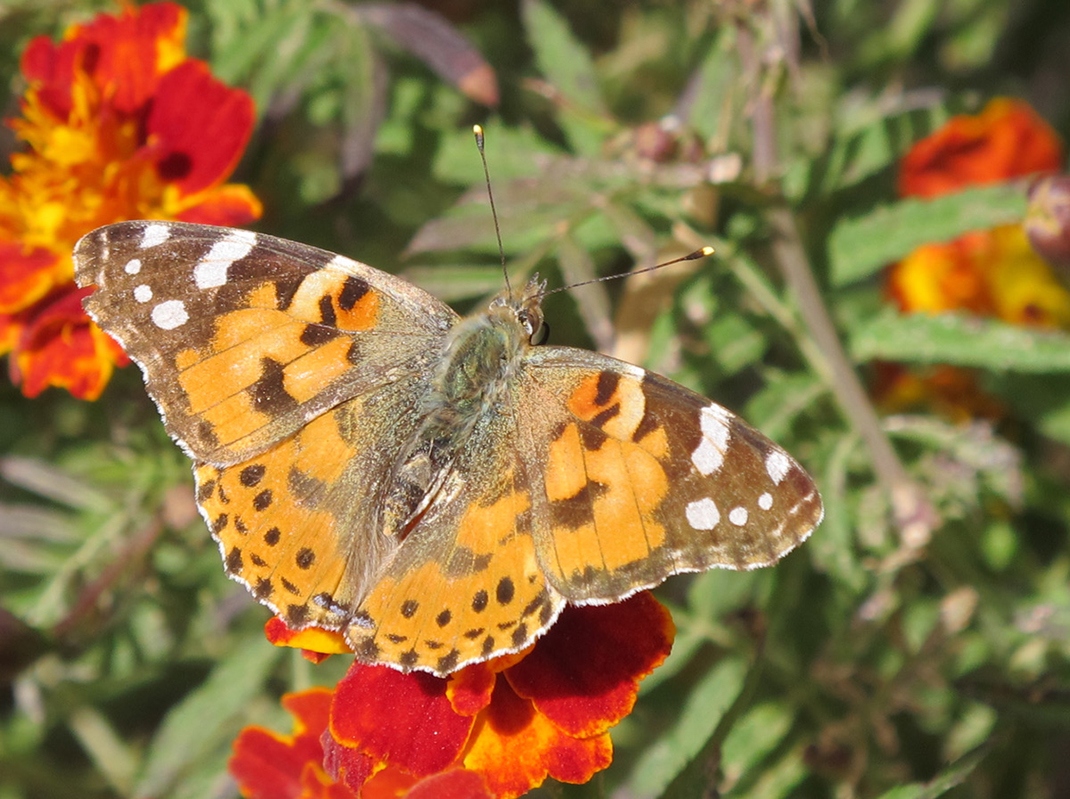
[472, 385]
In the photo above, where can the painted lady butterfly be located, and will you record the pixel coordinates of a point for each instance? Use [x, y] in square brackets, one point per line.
[436, 488]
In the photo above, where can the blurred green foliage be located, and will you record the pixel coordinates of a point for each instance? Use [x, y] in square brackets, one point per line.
[859, 666]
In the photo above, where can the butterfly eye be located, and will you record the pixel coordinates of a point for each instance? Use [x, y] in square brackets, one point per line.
[541, 335]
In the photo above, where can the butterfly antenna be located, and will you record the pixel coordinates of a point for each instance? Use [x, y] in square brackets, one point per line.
[478, 131]
[701, 252]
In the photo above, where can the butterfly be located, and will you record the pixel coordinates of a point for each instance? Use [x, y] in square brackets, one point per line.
[437, 488]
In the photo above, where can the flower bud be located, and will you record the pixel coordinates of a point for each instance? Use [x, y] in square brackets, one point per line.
[1047, 222]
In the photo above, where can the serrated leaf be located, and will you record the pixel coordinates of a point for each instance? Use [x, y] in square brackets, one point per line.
[961, 340]
[207, 719]
[861, 246]
[701, 712]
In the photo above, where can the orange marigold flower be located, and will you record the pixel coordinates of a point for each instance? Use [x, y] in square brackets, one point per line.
[1006, 140]
[494, 729]
[992, 273]
[119, 124]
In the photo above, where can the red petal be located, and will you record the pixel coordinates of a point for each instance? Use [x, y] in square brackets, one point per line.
[198, 127]
[457, 783]
[404, 720]
[61, 347]
[271, 766]
[584, 673]
[1006, 140]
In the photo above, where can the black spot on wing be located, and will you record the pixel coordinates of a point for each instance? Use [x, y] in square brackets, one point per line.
[607, 387]
[327, 314]
[352, 290]
[505, 591]
[269, 393]
[250, 476]
[479, 601]
[315, 335]
[578, 510]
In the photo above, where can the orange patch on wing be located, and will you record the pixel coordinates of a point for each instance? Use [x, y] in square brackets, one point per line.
[627, 396]
[362, 316]
[565, 473]
[318, 437]
[263, 296]
[307, 376]
[186, 358]
[482, 528]
[494, 601]
[582, 402]
[234, 418]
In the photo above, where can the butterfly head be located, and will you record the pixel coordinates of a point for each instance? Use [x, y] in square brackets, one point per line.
[524, 308]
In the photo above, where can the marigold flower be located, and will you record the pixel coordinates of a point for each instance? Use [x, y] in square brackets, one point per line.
[1006, 140]
[993, 273]
[119, 124]
[494, 729]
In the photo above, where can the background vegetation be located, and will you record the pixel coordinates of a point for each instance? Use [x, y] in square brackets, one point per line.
[909, 649]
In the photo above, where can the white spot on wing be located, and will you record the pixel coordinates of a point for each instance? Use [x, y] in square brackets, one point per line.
[738, 516]
[211, 271]
[154, 235]
[777, 465]
[143, 293]
[170, 314]
[765, 501]
[702, 514]
[707, 458]
[709, 454]
[133, 266]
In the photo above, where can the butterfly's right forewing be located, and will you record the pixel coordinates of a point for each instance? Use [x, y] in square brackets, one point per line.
[244, 338]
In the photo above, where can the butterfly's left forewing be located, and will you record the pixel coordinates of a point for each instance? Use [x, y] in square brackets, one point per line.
[642, 478]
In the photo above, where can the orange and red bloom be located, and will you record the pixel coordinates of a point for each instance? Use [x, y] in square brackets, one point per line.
[993, 273]
[494, 729]
[119, 124]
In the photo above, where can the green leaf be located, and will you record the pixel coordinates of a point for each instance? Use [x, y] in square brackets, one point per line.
[701, 712]
[947, 779]
[207, 719]
[962, 341]
[861, 246]
[568, 67]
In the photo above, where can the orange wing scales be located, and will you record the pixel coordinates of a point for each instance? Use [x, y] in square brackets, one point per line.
[487, 597]
[277, 533]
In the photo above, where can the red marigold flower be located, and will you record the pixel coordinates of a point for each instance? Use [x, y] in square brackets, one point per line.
[494, 729]
[1006, 140]
[119, 124]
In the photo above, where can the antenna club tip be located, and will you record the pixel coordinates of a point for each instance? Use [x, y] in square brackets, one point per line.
[477, 129]
[702, 252]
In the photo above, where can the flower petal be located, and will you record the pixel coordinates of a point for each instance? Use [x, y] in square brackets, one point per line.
[1006, 140]
[584, 673]
[404, 720]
